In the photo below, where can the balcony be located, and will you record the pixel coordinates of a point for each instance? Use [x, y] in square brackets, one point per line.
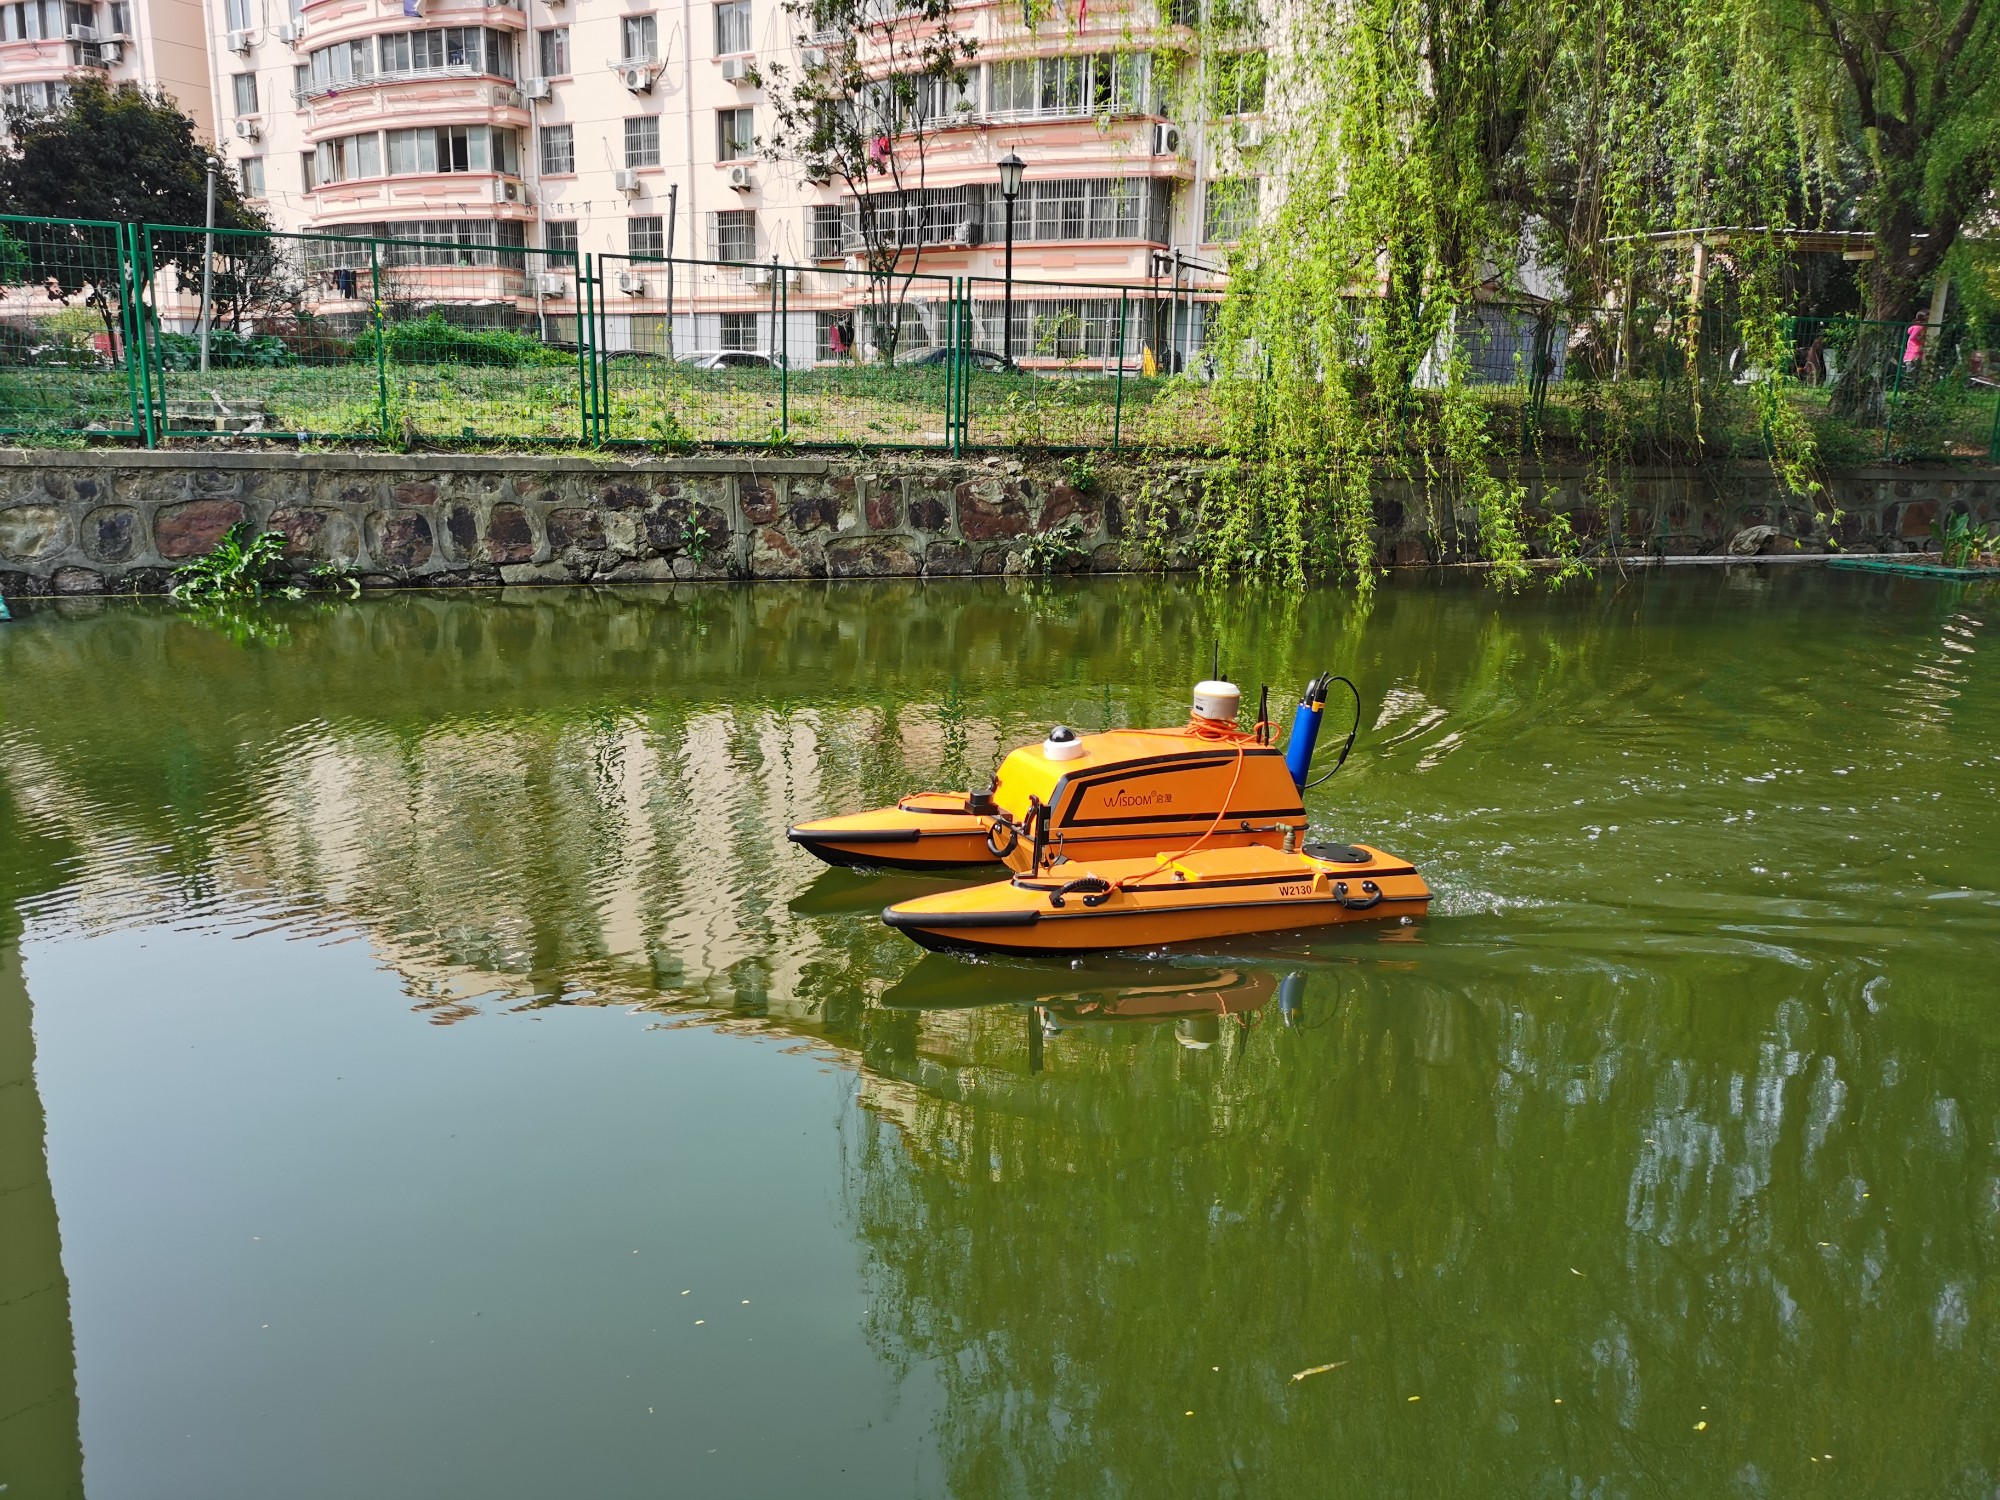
[464, 96]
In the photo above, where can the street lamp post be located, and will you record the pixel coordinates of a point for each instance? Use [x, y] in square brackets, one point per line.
[1011, 168]
[208, 263]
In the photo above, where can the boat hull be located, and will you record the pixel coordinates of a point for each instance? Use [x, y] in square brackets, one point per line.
[1198, 898]
[930, 831]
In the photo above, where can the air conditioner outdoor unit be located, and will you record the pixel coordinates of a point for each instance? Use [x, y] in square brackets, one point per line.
[1166, 140]
[812, 57]
[1250, 136]
[110, 54]
[756, 275]
[502, 97]
[83, 33]
[736, 70]
[854, 263]
[639, 80]
[969, 234]
[625, 181]
[549, 284]
[632, 283]
[288, 32]
[246, 130]
[741, 178]
[239, 41]
[536, 88]
[510, 190]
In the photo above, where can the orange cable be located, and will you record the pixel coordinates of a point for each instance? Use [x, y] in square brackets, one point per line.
[1227, 798]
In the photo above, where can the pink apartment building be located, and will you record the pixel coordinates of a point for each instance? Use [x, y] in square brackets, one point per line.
[628, 128]
[161, 43]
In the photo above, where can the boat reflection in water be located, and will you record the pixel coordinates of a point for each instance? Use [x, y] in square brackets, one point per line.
[1197, 1002]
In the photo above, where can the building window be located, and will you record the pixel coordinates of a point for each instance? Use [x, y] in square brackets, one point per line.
[343, 63]
[646, 234]
[833, 337]
[453, 148]
[251, 171]
[454, 49]
[559, 236]
[1089, 208]
[1100, 83]
[1229, 211]
[555, 52]
[642, 141]
[558, 150]
[301, 82]
[121, 17]
[237, 13]
[826, 231]
[639, 35]
[450, 242]
[244, 87]
[735, 134]
[1239, 83]
[732, 235]
[36, 97]
[347, 157]
[732, 28]
[32, 21]
[739, 331]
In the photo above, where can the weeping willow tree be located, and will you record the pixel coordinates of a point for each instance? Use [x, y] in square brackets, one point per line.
[1442, 158]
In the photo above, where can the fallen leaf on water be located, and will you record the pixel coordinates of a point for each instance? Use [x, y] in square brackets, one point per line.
[1319, 1369]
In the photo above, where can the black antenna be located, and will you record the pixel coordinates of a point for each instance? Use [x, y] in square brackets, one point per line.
[1215, 662]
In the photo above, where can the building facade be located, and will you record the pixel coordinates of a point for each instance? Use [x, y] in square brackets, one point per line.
[632, 130]
[161, 44]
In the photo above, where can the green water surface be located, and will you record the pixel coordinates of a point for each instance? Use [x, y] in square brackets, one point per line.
[426, 1071]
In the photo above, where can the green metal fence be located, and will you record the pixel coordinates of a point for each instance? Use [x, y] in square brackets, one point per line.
[707, 351]
[345, 338]
[474, 340]
[69, 330]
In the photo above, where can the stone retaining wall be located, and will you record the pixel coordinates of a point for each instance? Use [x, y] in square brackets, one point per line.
[122, 520]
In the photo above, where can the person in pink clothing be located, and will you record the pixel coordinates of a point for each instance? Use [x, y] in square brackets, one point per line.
[1913, 346]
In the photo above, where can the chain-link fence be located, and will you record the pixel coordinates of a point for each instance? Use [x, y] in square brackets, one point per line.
[1086, 365]
[338, 337]
[705, 351]
[458, 332]
[67, 322]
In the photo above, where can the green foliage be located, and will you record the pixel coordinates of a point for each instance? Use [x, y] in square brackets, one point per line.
[1963, 542]
[433, 340]
[1445, 161]
[226, 350]
[119, 154]
[1059, 548]
[244, 564]
[1080, 470]
[248, 564]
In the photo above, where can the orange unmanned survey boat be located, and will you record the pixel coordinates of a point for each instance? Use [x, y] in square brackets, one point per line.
[1199, 895]
[1123, 794]
[1227, 871]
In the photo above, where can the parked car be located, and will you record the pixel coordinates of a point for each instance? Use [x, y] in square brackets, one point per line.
[729, 359]
[979, 359]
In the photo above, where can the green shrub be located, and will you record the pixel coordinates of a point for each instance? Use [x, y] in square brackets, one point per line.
[432, 340]
[1058, 549]
[227, 350]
